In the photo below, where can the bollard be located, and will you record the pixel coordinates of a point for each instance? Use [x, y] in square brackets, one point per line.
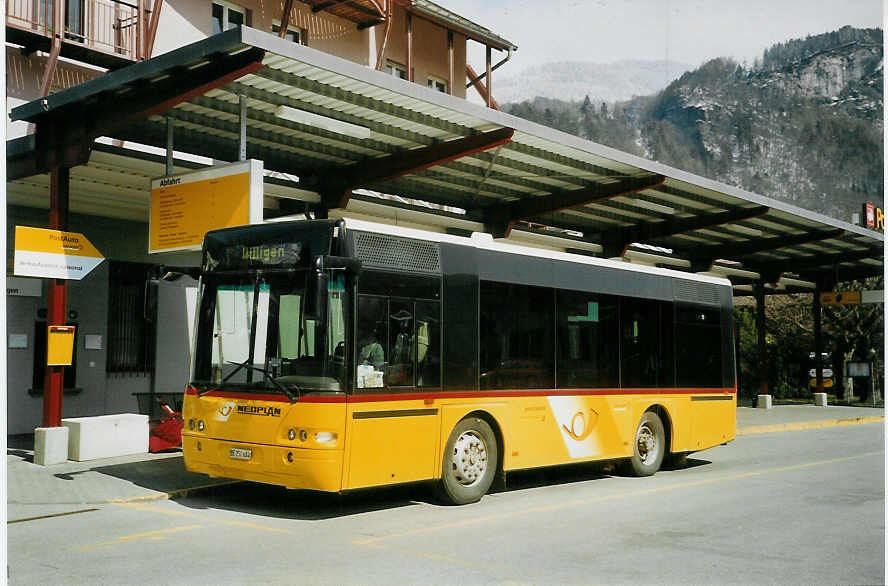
[820, 399]
[764, 402]
[50, 445]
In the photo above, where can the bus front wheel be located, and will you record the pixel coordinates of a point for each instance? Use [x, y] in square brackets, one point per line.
[650, 446]
[470, 461]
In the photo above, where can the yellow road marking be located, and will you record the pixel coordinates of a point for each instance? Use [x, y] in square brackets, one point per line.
[160, 534]
[155, 509]
[162, 496]
[435, 557]
[809, 425]
[613, 497]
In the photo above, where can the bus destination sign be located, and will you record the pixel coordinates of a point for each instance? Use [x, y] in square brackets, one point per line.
[242, 256]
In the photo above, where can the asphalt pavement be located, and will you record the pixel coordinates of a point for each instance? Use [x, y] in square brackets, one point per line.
[149, 477]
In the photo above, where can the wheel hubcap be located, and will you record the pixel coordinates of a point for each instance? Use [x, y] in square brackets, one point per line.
[469, 458]
[646, 444]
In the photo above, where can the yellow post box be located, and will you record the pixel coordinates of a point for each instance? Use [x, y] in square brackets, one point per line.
[59, 345]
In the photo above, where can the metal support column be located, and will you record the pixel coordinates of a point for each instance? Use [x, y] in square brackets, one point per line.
[761, 346]
[169, 153]
[489, 81]
[818, 341]
[409, 47]
[57, 298]
[242, 143]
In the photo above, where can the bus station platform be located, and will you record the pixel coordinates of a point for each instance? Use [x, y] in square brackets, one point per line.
[38, 491]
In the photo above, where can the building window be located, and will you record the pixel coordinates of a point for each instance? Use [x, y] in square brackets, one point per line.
[438, 84]
[395, 69]
[294, 34]
[130, 347]
[226, 16]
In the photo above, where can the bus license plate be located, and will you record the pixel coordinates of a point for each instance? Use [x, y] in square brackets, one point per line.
[240, 453]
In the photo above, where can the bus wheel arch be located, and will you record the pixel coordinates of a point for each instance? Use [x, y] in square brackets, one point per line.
[471, 459]
[672, 459]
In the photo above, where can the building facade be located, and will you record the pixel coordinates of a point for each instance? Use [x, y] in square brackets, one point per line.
[127, 323]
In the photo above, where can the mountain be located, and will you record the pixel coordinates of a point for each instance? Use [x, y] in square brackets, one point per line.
[804, 125]
[573, 80]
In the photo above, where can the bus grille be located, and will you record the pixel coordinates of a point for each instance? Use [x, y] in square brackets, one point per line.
[389, 252]
[693, 292]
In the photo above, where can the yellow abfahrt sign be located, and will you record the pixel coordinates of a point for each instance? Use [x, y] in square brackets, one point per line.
[185, 207]
[53, 254]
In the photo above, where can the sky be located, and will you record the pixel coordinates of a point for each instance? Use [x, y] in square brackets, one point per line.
[686, 31]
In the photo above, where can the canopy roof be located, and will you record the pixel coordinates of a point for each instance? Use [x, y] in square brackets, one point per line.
[476, 168]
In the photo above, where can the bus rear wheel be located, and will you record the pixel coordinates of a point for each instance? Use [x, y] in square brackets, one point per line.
[471, 456]
[650, 446]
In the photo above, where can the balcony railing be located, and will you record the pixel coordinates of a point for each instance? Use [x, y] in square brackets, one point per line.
[106, 26]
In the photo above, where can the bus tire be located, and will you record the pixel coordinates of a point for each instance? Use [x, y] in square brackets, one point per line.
[649, 446]
[470, 461]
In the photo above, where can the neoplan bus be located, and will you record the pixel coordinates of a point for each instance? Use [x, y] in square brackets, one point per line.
[334, 355]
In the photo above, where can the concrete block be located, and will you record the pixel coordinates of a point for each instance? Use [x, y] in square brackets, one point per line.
[50, 445]
[820, 399]
[107, 436]
[764, 402]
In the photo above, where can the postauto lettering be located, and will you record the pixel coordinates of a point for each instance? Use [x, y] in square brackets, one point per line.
[259, 410]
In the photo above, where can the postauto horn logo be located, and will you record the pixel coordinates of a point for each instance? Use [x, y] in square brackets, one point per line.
[580, 427]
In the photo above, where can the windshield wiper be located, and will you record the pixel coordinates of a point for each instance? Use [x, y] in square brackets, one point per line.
[268, 377]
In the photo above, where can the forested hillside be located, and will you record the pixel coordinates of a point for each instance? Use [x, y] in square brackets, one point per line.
[803, 124]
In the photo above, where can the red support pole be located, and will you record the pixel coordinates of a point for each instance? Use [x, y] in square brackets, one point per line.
[57, 299]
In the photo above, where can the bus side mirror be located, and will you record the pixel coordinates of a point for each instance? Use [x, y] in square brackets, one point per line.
[316, 296]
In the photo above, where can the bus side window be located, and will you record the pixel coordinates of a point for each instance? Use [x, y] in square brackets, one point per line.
[372, 339]
[587, 333]
[402, 344]
[428, 347]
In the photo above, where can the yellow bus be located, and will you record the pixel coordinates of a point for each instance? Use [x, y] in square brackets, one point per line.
[335, 354]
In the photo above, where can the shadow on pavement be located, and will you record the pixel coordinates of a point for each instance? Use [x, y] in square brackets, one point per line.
[276, 501]
[23, 454]
[161, 475]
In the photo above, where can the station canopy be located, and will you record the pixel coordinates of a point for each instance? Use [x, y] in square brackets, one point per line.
[341, 134]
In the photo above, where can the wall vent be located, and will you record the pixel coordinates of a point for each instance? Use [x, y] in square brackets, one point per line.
[381, 251]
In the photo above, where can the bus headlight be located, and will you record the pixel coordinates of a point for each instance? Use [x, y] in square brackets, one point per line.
[200, 425]
[291, 435]
[325, 437]
[303, 435]
[191, 424]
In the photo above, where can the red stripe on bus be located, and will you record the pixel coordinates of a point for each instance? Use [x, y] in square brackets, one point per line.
[237, 395]
[266, 396]
[380, 397]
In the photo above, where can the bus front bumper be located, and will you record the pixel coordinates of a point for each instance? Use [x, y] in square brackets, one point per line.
[297, 468]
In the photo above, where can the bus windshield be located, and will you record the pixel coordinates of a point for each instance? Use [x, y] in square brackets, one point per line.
[260, 331]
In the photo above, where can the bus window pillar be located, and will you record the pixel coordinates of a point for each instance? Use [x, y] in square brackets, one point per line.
[761, 346]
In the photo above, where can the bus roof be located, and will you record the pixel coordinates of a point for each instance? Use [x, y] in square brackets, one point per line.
[486, 242]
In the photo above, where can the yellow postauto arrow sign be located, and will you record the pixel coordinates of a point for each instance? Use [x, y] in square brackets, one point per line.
[53, 254]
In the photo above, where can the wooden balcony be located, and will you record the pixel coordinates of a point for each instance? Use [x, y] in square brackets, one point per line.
[105, 33]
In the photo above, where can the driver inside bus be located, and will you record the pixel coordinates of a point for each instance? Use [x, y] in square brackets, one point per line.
[372, 353]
